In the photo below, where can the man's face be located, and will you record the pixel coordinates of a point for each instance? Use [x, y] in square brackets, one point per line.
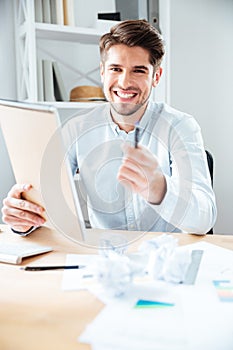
[127, 76]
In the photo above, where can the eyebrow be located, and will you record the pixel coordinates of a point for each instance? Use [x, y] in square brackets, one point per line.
[141, 67]
[135, 67]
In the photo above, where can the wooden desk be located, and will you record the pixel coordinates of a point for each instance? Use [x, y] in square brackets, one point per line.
[35, 313]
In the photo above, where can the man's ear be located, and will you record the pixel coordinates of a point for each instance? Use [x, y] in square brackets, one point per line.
[157, 76]
[102, 71]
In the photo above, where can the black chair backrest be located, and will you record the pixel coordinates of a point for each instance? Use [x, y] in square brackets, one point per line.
[210, 161]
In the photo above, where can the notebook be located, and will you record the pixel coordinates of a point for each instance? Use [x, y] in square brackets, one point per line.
[32, 134]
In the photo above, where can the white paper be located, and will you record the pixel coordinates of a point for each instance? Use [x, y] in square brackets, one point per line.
[120, 326]
[216, 262]
[208, 322]
[79, 279]
[199, 320]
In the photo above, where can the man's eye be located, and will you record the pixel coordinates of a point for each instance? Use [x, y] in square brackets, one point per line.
[139, 71]
[114, 69]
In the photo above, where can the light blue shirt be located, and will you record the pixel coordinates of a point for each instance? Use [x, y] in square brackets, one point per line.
[94, 144]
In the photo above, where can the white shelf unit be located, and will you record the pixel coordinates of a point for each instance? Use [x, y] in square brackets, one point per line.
[27, 32]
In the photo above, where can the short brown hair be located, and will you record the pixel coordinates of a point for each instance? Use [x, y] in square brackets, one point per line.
[135, 33]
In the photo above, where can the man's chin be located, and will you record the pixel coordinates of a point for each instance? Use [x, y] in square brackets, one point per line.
[125, 109]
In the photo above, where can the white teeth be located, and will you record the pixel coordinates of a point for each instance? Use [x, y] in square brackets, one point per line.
[124, 95]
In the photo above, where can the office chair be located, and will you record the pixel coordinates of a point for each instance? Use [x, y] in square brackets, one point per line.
[210, 161]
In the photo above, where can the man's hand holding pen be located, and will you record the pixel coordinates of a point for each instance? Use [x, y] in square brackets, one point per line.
[141, 172]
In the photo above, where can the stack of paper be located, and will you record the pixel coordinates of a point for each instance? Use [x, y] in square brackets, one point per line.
[158, 315]
[122, 327]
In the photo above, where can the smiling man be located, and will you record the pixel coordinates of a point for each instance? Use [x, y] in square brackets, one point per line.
[163, 184]
[128, 78]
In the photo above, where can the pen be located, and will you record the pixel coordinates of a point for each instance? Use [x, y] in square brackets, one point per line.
[43, 268]
[136, 136]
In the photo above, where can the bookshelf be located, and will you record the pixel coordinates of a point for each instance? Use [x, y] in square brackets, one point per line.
[28, 32]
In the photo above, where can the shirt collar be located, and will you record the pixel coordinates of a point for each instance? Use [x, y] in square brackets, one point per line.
[142, 123]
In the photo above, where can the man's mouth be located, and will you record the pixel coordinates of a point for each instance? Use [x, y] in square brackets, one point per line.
[125, 95]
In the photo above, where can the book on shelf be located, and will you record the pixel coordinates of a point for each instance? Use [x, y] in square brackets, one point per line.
[38, 11]
[60, 92]
[57, 12]
[50, 85]
[68, 6]
[40, 79]
[48, 80]
[46, 11]
[52, 11]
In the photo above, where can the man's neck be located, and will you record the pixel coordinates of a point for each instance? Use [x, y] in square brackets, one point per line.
[127, 123]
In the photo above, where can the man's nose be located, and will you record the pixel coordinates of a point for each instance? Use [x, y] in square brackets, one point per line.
[124, 80]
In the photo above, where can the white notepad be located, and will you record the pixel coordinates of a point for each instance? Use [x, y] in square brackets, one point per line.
[13, 253]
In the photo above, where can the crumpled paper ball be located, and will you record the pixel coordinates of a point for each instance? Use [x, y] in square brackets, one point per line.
[176, 266]
[115, 273]
[166, 261]
[159, 258]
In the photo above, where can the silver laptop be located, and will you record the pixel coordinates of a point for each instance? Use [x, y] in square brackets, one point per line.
[32, 133]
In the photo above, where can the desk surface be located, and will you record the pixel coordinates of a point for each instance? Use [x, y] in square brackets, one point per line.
[34, 311]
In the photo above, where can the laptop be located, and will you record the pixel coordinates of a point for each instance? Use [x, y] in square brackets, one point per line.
[32, 134]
